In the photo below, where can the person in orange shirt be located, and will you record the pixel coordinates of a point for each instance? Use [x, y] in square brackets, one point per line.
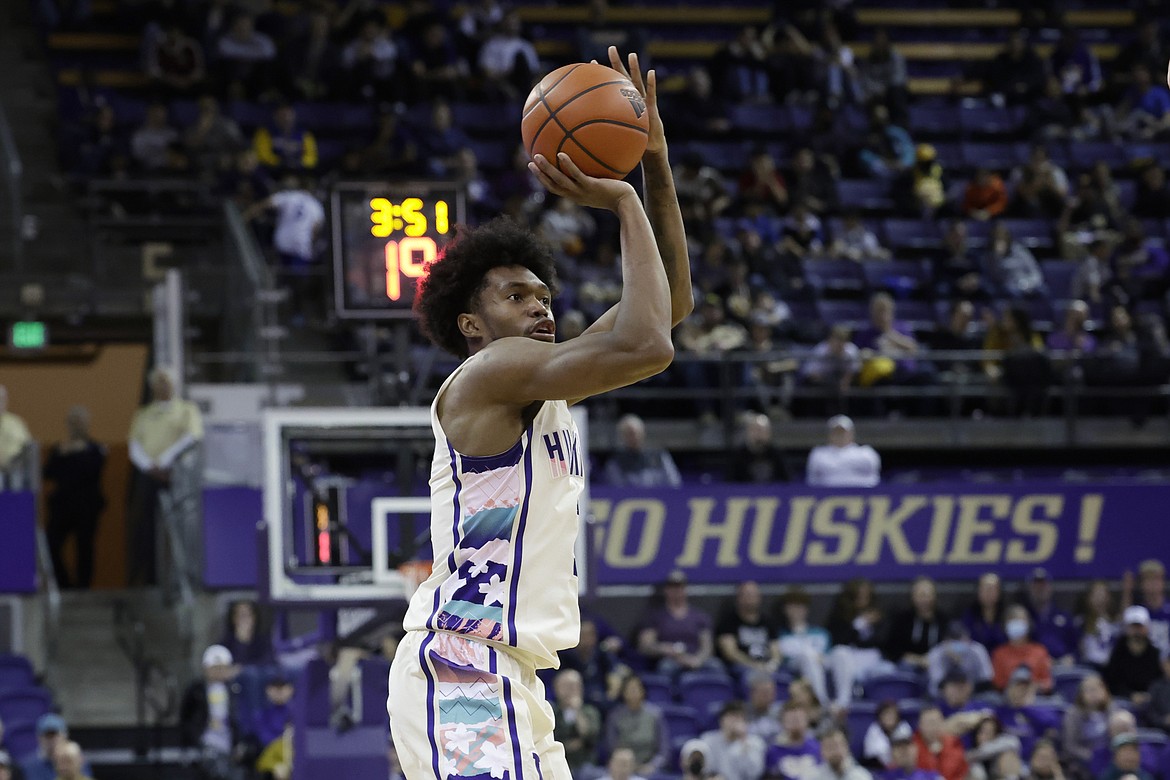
[986, 196]
[1019, 651]
[939, 751]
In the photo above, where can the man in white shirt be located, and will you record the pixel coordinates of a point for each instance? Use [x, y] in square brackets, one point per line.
[161, 431]
[507, 59]
[736, 753]
[621, 766]
[299, 218]
[14, 436]
[843, 462]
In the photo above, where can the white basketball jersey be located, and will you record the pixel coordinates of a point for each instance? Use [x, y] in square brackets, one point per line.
[503, 531]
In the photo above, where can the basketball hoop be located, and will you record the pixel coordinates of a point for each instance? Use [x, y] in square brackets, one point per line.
[414, 573]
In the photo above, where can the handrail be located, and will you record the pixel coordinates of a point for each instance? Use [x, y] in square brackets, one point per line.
[52, 602]
[250, 255]
[182, 496]
[14, 174]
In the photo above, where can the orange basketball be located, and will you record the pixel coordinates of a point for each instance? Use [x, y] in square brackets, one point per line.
[590, 112]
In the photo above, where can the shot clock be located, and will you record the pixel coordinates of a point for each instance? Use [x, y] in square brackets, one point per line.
[384, 234]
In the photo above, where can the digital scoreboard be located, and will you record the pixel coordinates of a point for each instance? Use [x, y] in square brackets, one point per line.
[384, 235]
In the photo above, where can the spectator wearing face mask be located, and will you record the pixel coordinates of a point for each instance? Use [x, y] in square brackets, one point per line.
[1021, 651]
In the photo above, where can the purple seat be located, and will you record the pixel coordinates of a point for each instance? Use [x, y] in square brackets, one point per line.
[1067, 681]
[911, 234]
[868, 194]
[492, 155]
[756, 118]
[681, 721]
[1148, 152]
[855, 314]
[990, 120]
[902, 278]
[1126, 192]
[699, 690]
[21, 739]
[375, 679]
[485, 118]
[843, 276]
[1035, 233]
[24, 705]
[248, 115]
[728, 156]
[1058, 276]
[996, 156]
[1084, 154]
[658, 688]
[917, 314]
[895, 685]
[857, 721]
[933, 120]
[1041, 312]
[15, 672]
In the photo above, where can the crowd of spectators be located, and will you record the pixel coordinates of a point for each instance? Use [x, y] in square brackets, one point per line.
[769, 228]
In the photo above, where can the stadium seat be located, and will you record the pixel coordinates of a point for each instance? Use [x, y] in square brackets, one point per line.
[1058, 276]
[1154, 737]
[834, 276]
[658, 688]
[1034, 233]
[985, 120]
[681, 721]
[901, 278]
[1085, 154]
[15, 672]
[698, 690]
[857, 720]
[375, 677]
[757, 118]
[313, 693]
[933, 121]
[24, 705]
[895, 685]
[855, 314]
[865, 194]
[21, 739]
[996, 156]
[911, 234]
[1066, 681]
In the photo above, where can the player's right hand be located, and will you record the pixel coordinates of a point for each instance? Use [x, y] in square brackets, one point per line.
[569, 182]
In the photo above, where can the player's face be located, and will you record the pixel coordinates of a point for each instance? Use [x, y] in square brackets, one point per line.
[515, 302]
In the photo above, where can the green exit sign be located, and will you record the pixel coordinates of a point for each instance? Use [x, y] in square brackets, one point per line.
[28, 335]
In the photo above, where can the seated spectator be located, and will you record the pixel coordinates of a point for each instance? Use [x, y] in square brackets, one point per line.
[887, 150]
[1152, 595]
[637, 727]
[508, 60]
[697, 112]
[957, 267]
[1012, 266]
[246, 58]
[856, 627]
[708, 333]
[1097, 623]
[795, 752]
[856, 241]
[735, 753]
[1123, 722]
[1075, 65]
[988, 743]
[1015, 75]
[883, 76]
[922, 192]
[1135, 663]
[1054, 116]
[958, 658]
[903, 757]
[877, 747]
[1158, 709]
[984, 618]
[623, 766]
[695, 760]
[7, 768]
[69, 762]
[762, 709]
[150, 146]
[959, 334]
[1020, 715]
[1039, 186]
[1117, 359]
[838, 761]
[1019, 651]
[437, 66]
[745, 637]
[14, 436]
[1152, 196]
[761, 185]
[636, 465]
[275, 715]
[757, 459]
[1145, 47]
[677, 635]
[915, 631]
[174, 59]
[812, 182]
[1085, 729]
[985, 196]
[802, 238]
[1045, 763]
[739, 68]
[285, 146]
[1144, 112]
[596, 662]
[702, 194]
[843, 462]
[939, 751]
[803, 646]
[567, 227]
[1094, 273]
[244, 636]
[1072, 336]
[578, 723]
[1140, 263]
[1127, 760]
[391, 149]
[214, 138]
[51, 734]
[102, 150]
[601, 31]
[894, 345]
[1051, 626]
[370, 62]
[801, 693]
[208, 715]
[833, 363]
[954, 696]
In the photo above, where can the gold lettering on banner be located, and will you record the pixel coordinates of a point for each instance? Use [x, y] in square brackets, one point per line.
[1026, 524]
[972, 525]
[700, 529]
[885, 527]
[1091, 506]
[759, 545]
[826, 525]
[940, 529]
[619, 528]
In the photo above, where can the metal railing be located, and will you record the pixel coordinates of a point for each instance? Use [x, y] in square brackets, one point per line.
[180, 513]
[250, 303]
[13, 176]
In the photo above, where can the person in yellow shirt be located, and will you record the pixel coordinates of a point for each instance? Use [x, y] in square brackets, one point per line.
[14, 436]
[161, 431]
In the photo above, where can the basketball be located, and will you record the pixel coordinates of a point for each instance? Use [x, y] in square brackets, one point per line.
[590, 112]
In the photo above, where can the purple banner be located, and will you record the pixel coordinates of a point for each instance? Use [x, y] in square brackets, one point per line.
[18, 543]
[788, 533]
[230, 553]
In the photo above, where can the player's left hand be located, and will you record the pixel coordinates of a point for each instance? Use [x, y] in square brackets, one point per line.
[648, 86]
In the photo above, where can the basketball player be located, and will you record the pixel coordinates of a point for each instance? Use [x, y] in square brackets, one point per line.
[507, 472]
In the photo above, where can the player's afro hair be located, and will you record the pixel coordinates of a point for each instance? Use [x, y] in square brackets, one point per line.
[453, 281]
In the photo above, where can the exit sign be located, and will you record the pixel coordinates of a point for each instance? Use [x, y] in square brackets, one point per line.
[28, 335]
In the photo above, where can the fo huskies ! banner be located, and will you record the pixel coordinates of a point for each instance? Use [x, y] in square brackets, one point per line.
[729, 533]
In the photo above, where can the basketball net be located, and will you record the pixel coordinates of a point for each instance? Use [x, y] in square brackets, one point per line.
[414, 573]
